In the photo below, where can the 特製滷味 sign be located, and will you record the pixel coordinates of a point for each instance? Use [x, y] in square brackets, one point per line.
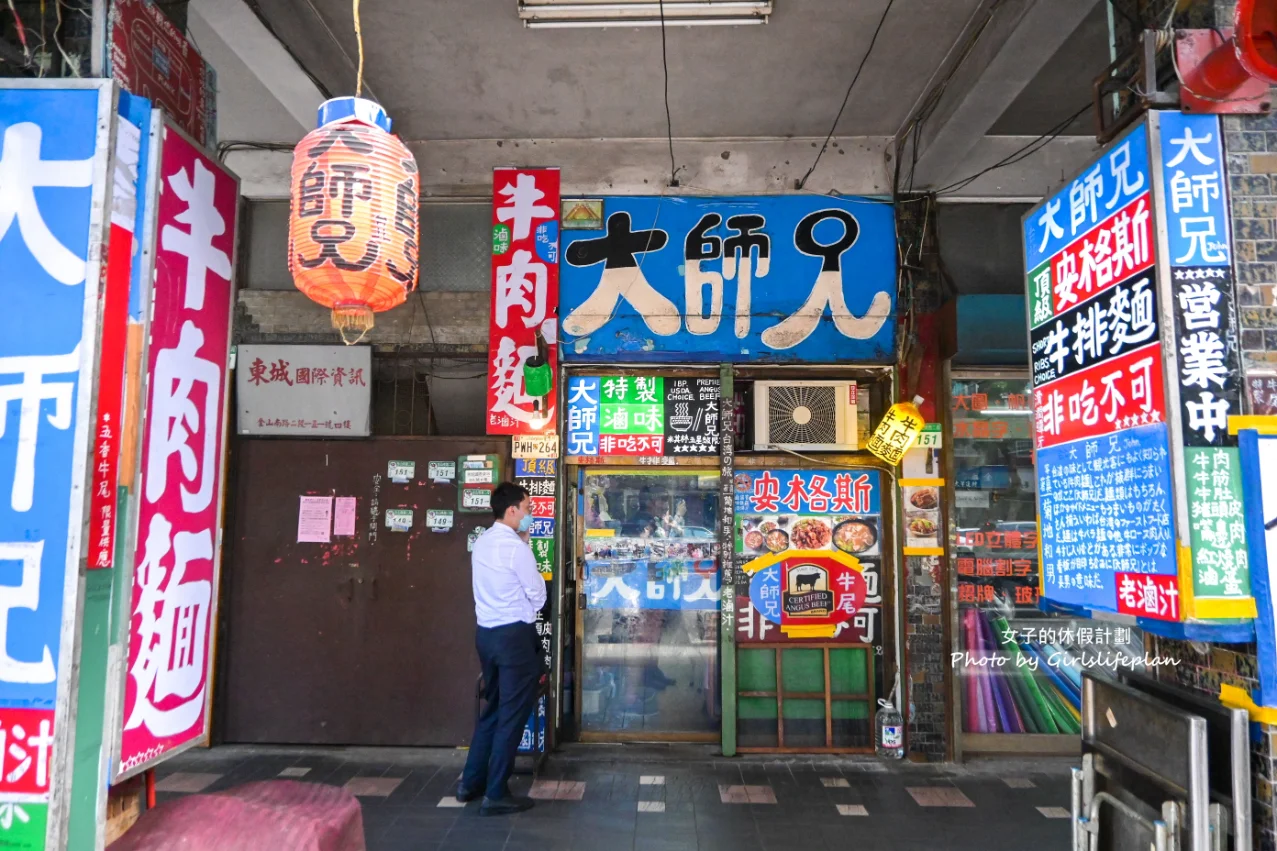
[644, 416]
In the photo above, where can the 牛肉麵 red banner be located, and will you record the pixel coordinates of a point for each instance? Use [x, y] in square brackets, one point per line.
[525, 295]
[179, 514]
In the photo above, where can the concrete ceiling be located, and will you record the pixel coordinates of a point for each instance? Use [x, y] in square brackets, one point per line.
[468, 69]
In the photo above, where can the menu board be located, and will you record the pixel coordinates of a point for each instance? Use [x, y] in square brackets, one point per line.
[782, 512]
[644, 416]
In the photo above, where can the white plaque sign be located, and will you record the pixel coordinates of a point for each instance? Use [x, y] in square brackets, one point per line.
[305, 391]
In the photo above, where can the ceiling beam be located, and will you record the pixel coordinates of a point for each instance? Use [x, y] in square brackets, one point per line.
[462, 169]
[265, 57]
[1019, 39]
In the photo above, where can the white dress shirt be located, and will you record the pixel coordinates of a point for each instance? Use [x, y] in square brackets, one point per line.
[508, 588]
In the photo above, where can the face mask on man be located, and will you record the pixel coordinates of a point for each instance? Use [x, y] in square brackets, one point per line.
[525, 525]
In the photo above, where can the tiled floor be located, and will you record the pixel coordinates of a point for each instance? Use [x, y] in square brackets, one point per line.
[654, 799]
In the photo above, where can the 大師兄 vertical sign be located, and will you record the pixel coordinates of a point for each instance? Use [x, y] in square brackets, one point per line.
[1206, 372]
[1105, 500]
[54, 153]
[178, 534]
[525, 295]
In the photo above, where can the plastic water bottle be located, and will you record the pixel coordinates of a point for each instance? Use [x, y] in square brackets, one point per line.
[890, 726]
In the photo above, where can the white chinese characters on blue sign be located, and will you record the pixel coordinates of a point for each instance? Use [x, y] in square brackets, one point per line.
[783, 278]
[1193, 181]
[1115, 180]
[48, 147]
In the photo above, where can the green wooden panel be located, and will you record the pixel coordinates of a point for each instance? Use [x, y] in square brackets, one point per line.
[849, 671]
[756, 707]
[756, 670]
[804, 709]
[854, 710]
[803, 670]
[88, 792]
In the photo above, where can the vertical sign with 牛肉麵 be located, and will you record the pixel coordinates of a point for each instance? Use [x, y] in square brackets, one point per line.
[642, 416]
[178, 535]
[525, 296]
[55, 150]
[1204, 370]
[1105, 497]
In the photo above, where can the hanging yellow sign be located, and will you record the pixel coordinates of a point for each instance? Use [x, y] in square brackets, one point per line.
[898, 431]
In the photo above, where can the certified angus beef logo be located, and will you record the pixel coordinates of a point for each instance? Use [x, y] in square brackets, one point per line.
[807, 593]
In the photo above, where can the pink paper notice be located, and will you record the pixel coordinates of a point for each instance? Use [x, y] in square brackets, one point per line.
[344, 522]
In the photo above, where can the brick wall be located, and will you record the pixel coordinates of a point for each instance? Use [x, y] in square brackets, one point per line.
[1251, 143]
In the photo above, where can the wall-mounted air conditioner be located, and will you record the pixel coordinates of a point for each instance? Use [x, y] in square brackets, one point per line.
[805, 415]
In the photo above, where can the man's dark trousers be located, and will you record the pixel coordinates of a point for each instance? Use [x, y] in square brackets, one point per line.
[510, 656]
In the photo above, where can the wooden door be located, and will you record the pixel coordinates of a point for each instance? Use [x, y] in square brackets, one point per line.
[358, 641]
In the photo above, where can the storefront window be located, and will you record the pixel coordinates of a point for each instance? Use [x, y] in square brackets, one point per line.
[1019, 671]
[651, 584]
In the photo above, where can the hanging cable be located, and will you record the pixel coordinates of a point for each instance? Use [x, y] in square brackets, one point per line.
[359, 41]
[669, 121]
[1016, 156]
[802, 183]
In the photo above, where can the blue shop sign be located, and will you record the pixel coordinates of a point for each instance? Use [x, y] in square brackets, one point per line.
[52, 153]
[787, 278]
[686, 584]
[1112, 182]
[1193, 182]
[1106, 508]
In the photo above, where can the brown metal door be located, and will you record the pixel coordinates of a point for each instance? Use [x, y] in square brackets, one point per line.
[353, 642]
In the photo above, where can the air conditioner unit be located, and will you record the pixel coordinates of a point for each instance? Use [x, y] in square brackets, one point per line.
[805, 415]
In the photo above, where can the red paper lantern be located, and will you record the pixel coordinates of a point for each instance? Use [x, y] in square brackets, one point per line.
[353, 229]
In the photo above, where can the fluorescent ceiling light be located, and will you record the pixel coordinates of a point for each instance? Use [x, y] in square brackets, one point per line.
[642, 13]
[640, 22]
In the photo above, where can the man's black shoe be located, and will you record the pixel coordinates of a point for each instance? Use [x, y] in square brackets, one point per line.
[505, 806]
[466, 797]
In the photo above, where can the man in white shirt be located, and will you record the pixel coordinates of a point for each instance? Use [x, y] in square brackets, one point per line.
[508, 593]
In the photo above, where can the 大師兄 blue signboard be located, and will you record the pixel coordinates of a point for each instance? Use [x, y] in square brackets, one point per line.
[808, 492]
[1105, 508]
[1112, 182]
[771, 278]
[49, 164]
[649, 584]
[1193, 187]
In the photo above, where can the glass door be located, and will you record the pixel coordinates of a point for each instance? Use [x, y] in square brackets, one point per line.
[649, 605]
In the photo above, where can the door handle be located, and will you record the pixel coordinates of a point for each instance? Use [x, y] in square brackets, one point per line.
[372, 589]
[350, 589]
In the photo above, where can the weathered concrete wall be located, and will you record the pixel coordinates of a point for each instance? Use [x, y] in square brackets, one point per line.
[428, 322]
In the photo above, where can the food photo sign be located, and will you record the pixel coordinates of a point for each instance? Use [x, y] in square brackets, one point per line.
[813, 540]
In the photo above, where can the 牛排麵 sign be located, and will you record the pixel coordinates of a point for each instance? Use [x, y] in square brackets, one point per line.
[315, 391]
[777, 278]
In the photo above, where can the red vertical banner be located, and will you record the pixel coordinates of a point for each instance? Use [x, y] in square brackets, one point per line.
[107, 432]
[525, 295]
[179, 516]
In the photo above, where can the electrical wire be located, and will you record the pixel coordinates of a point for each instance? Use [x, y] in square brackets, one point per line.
[669, 121]
[847, 97]
[359, 41]
[1016, 156]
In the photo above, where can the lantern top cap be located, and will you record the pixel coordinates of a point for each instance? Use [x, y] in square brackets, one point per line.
[917, 400]
[353, 109]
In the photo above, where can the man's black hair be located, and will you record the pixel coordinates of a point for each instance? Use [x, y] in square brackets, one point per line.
[507, 495]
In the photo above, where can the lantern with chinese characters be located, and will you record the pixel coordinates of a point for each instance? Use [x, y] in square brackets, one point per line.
[897, 432]
[352, 228]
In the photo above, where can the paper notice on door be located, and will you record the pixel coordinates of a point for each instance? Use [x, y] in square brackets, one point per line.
[315, 520]
[344, 516]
